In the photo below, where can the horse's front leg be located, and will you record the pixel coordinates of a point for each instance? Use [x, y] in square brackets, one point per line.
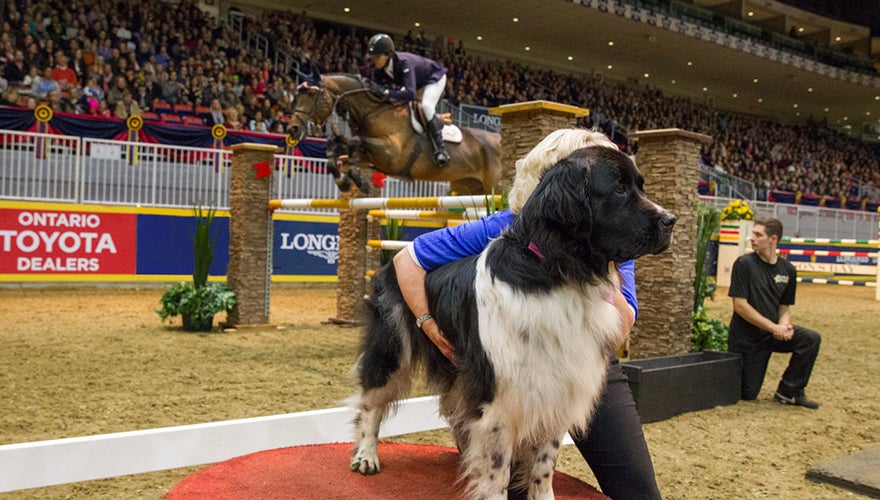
[354, 173]
[342, 181]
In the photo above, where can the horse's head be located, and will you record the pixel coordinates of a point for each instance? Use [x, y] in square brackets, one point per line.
[311, 105]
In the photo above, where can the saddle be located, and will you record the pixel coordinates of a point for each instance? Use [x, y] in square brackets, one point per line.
[451, 133]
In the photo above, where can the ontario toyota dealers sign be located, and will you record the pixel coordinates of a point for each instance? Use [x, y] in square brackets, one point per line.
[55, 241]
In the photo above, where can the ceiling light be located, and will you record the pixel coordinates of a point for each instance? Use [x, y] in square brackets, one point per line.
[735, 96]
[673, 82]
[877, 97]
[867, 113]
[647, 75]
[794, 105]
[750, 14]
[800, 30]
[417, 24]
[346, 9]
[837, 39]
[528, 49]
[690, 63]
[810, 89]
[516, 19]
[571, 58]
[760, 99]
[826, 110]
[479, 38]
[610, 66]
[755, 80]
[845, 118]
[610, 43]
[705, 89]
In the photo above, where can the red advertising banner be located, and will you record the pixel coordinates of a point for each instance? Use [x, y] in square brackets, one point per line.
[49, 241]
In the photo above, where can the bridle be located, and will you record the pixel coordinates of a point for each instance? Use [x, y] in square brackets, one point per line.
[310, 115]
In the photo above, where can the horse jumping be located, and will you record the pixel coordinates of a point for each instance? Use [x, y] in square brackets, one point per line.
[388, 141]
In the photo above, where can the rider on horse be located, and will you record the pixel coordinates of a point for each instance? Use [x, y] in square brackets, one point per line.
[398, 75]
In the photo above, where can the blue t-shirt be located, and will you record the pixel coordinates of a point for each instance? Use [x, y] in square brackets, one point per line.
[434, 249]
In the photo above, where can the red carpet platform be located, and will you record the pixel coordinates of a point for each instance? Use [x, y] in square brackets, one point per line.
[321, 472]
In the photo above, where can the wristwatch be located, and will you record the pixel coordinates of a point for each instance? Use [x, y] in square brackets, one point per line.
[421, 319]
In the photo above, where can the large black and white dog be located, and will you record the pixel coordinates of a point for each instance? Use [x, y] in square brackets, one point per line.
[530, 321]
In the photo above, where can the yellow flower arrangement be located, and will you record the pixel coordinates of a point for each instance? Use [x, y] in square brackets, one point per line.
[737, 210]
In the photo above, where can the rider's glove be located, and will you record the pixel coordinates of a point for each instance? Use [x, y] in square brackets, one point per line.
[379, 89]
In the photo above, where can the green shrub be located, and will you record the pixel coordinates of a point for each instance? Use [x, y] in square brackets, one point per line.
[199, 301]
[706, 332]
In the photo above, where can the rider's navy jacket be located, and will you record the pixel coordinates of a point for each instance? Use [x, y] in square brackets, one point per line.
[411, 72]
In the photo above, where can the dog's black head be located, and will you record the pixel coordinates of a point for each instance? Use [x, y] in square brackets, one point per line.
[591, 208]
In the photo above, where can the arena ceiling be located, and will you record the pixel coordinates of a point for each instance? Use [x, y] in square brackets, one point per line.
[572, 38]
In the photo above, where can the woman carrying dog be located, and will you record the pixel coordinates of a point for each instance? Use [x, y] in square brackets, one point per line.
[615, 447]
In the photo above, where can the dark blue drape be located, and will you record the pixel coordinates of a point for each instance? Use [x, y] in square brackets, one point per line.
[23, 120]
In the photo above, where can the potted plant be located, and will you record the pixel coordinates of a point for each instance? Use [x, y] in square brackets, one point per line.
[707, 332]
[199, 301]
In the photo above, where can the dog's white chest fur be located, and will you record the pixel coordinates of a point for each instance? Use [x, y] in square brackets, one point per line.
[549, 350]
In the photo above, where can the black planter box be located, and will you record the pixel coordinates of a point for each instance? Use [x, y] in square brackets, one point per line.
[667, 386]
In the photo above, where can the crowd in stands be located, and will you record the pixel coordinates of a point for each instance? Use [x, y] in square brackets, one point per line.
[123, 57]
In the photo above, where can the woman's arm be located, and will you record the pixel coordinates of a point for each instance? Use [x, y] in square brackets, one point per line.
[411, 278]
[432, 250]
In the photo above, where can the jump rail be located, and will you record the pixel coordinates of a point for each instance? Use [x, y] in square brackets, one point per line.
[383, 203]
[386, 244]
[825, 281]
[826, 253]
[829, 240]
[424, 215]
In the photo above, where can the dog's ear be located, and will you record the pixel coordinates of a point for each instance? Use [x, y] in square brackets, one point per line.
[561, 201]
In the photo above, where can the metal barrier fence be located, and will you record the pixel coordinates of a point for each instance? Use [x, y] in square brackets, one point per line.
[801, 221]
[55, 168]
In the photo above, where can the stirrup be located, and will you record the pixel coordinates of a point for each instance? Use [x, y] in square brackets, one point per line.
[441, 158]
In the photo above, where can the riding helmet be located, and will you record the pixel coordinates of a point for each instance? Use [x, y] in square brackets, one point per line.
[380, 44]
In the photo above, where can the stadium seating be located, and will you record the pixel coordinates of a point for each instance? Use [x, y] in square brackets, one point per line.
[193, 120]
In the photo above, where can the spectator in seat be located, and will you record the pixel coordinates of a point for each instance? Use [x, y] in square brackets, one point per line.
[115, 94]
[217, 117]
[233, 120]
[10, 98]
[44, 84]
[16, 70]
[127, 106]
[58, 104]
[63, 74]
[259, 124]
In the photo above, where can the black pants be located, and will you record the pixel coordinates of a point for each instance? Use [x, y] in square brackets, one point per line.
[803, 346]
[615, 447]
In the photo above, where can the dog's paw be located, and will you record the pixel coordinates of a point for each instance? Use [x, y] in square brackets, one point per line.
[365, 462]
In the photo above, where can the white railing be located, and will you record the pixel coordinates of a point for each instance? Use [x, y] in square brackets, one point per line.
[55, 168]
[129, 173]
[800, 221]
[40, 167]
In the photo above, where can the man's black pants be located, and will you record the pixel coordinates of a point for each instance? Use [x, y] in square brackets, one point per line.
[803, 346]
